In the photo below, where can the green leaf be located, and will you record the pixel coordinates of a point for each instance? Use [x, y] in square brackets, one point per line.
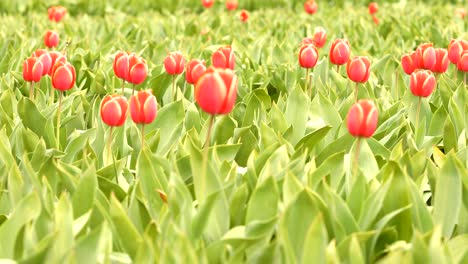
[315, 244]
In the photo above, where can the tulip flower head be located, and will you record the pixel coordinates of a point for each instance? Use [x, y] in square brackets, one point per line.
[32, 69]
[308, 56]
[63, 76]
[425, 56]
[195, 69]
[56, 13]
[310, 7]
[231, 5]
[114, 110]
[442, 61]
[174, 63]
[51, 39]
[362, 119]
[320, 37]
[56, 57]
[244, 15]
[422, 83]
[223, 58]
[120, 65]
[339, 52]
[143, 107]
[373, 8]
[455, 49]
[462, 64]
[45, 59]
[409, 62]
[137, 69]
[375, 19]
[358, 69]
[207, 3]
[216, 91]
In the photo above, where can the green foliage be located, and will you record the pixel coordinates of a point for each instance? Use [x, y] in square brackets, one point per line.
[279, 187]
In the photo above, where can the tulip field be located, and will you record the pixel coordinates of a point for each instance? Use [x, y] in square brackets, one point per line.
[238, 131]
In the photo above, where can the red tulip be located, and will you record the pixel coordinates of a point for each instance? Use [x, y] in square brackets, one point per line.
[174, 63]
[455, 49]
[137, 69]
[114, 110]
[143, 107]
[231, 5]
[223, 58]
[310, 7]
[63, 76]
[120, 65]
[362, 119]
[320, 37]
[216, 91]
[244, 15]
[422, 83]
[460, 12]
[207, 3]
[339, 52]
[375, 19]
[56, 57]
[462, 64]
[358, 69]
[442, 61]
[32, 69]
[195, 69]
[308, 56]
[373, 8]
[56, 13]
[425, 56]
[51, 39]
[45, 59]
[409, 62]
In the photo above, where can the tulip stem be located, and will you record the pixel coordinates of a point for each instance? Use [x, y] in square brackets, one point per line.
[123, 87]
[133, 89]
[356, 157]
[173, 89]
[205, 153]
[417, 112]
[338, 68]
[142, 135]
[51, 94]
[31, 91]
[356, 92]
[59, 111]
[109, 146]
[306, 80]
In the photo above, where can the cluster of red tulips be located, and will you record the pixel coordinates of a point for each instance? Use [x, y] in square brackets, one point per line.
[231, 5]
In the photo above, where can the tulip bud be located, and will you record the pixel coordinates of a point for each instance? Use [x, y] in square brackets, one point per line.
[308, 56]
[455, 49]
[51, 39]
[120, 65]
[462, 64]
[373, 8]
[339, 52]
[143, 107]
[207, 3]
[32, 69]
[409, 63]
[231, 5]
[310, 7]
[45, 59]
[216, 91]
[56, 57]
[63, 76]
[244, 15]
[442, 61]
[56, 13]
[137, 69]
[223, 58]
[114, 110]
[425, 56]
[362, 119]
[195, 69]
[320, 37]
[358, 69]
[174, 63]
[375, 19]
[422, 83]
